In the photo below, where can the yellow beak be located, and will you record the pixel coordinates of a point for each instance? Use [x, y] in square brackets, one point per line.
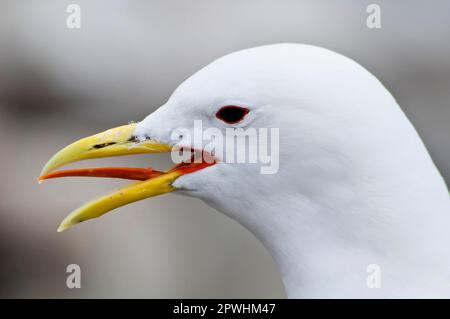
[128, 194]
[115, 142]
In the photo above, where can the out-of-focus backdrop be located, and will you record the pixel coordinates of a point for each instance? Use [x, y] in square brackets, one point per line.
[59, 84]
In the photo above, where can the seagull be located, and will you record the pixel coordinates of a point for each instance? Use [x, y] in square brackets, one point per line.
[356, 195]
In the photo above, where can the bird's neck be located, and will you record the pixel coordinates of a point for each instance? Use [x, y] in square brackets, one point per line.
[317, 255]
[320, 255]
[326, 241]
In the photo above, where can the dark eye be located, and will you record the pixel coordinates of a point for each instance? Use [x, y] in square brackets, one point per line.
[232, 114]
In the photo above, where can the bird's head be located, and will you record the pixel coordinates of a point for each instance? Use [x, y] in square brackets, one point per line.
[298, 99]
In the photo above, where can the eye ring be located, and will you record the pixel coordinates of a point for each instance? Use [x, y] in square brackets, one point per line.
[232, 114]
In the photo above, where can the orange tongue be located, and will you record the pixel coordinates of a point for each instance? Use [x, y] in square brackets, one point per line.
[140, 174]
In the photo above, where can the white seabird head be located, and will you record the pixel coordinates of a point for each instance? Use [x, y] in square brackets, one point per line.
[332, 116]
[343, 145]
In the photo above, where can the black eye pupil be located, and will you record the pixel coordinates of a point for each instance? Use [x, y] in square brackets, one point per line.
[232, 114]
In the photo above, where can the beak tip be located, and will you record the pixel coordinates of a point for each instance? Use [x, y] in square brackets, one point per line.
[63, 227]
[52, 164]
[42, 175]
[44, 171]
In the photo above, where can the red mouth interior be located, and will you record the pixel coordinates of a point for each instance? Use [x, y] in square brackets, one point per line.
[140, 174]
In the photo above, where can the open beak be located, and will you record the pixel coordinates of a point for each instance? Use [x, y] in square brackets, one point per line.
[116, 142]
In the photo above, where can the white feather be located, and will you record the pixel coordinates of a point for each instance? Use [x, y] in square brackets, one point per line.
[355, 187]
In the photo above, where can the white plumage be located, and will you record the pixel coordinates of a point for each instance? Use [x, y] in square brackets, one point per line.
[355, 186]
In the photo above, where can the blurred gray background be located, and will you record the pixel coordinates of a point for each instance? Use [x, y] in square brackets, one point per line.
[58, 85]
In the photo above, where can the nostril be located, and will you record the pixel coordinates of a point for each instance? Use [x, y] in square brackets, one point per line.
[98, 146]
